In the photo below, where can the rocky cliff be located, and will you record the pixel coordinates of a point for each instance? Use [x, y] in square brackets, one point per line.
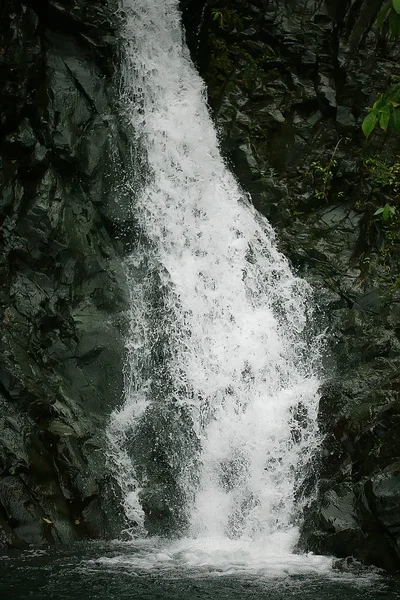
[63, 295]
[288, 83]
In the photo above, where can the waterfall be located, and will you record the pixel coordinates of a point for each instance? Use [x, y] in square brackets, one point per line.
[219, 419]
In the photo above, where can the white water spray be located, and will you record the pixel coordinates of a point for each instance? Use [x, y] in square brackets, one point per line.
[233, 317]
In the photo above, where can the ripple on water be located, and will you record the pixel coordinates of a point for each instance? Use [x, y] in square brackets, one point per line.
[187, 569]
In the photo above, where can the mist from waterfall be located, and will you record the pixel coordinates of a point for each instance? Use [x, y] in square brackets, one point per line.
[223, 368]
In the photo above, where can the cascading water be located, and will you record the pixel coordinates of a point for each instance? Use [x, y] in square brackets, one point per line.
[219, 420]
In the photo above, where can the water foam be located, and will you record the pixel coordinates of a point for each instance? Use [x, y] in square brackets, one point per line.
[204, 557]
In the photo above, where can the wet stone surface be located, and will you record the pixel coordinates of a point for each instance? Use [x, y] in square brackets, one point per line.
[63, 296]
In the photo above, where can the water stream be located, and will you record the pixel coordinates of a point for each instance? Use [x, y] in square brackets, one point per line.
[219, 422]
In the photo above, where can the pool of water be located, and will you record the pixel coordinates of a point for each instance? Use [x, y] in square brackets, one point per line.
[184, 570]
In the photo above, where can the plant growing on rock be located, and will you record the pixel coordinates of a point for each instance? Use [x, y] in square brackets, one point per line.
[385, 178]
[217, 16]
[229, 19]
[386, 211]
[386, 110]
[323, 175]
[390, 13]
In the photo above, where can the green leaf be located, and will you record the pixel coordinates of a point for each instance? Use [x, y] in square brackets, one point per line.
[369, 123]
[396, 6]
[386, 212]
[394, 121]
[384, 117]
[394, 93]
[383, 14]
[377, 105]
[394, 24]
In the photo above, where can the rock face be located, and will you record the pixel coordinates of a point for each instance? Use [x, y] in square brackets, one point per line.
[63, 295]
[288, 83]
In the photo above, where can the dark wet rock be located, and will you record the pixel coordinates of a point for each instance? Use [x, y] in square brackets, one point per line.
[288, 83]
[63, 296]
[165, 450]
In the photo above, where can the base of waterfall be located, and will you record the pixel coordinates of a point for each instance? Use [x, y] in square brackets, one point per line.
[185, 569]
[201, 557]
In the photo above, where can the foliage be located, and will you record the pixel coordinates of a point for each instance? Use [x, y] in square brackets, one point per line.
[376, 450]
[384, 177]
[218, 16]
[386, 211]
[228, 19]
[385, 112]
[323, 175]
[382, 174]
[390, 14]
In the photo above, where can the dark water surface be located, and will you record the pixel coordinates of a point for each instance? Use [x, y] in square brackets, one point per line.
[122, 572]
